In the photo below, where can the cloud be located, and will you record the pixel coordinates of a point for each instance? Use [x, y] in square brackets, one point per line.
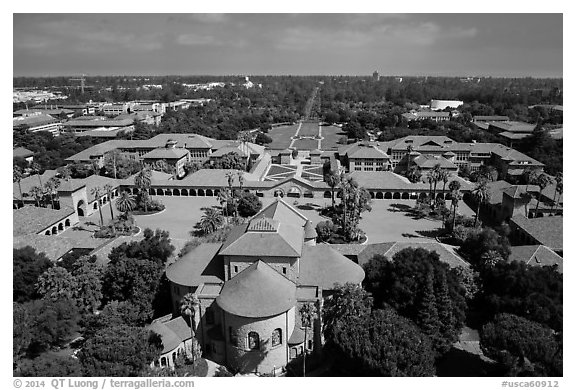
[305, 38]
[199, 18]
[196, 40]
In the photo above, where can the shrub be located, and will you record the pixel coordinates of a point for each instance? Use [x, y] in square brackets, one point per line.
[325, 229]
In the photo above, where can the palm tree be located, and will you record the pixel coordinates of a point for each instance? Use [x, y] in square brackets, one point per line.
[240, 180]
[143, 180]
[444, 176]
[308, 314]
[125, 202]
[332, 179]
[456, 196]
[36, 168]
[224, 199]
[435, 173]
[543, 181]
[17, 177]
[37, 194]
[64, 172]
[230, 177]
[51, 185]
[414, 174]
[96, 192]
[482, 195]
[410, 149]
[108, 190]
[189, 306]
[558, 190]
[211, 221]
[95, 166]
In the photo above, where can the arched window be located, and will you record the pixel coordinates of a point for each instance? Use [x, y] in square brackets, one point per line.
[253, 341]
[163, 361]
[276, 337]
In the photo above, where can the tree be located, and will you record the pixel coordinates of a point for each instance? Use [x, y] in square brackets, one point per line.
[51, 365]
[225, 199]
[414, 174]
[88, 275]
[333, 180]
[542, 181]
[525, 347]
[455, 196]
[96, 192]
[354, 130]
[21, 332]
[325, 229]
[249, 205]
[50, 187]
[189, 306]
[17, 177]
[355, 201]
[482, 195]
[230, 178]
[120, 351]
[558, 190]
[308, 315]
[143, 181]
[53, 323]
[480, 241]
[108, 190]
[131, 279]
[125, 202]
[262, 139]
[27, 268]
[57, 283]
[115, 313]
[517, 288]
[415, 283]
[37, 193]
[348, 301]
[434, 176]
[36, 168]
[381, 344]
[444, 176]
[211, 220]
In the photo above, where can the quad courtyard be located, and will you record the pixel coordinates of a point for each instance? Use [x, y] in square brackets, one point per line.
[305, 136]
[388, 221]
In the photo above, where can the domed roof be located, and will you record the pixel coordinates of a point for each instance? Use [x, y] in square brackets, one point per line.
[258, 291]
[309, 230]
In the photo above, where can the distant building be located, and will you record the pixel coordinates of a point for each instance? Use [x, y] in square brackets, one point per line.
[444, 104]
[430, 115]
[490, 118]
[376, 76]
[511, 130]
[58, 113]
[36, 123]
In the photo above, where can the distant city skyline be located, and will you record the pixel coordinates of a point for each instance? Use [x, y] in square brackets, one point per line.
[497, 45]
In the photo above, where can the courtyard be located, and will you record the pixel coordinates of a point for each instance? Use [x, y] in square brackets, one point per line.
[385, 223]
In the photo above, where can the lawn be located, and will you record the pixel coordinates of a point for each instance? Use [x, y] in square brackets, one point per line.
[305, 144]
[281, 136]
[309, 129]
[331, 135]
[383, 224]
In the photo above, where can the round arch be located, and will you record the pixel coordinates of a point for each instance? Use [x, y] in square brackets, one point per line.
[54, 230]
[184, 192]
[160, 192]
[396, 195]
[405, 195]
[388, 195]
[176, 192]
[192, 192]
[327, 194]
[60, 226]
[201, 192]
[209, 192]
[67, 223]
[81, 208]
[294, 192]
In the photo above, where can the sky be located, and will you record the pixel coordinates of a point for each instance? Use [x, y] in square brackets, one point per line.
[498, 45]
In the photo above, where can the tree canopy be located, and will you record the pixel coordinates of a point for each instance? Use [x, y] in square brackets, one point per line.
[120, 351]
[27, 268]
[525, 347]
[422, 288]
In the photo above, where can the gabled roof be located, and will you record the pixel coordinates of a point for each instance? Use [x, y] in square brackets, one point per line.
[536, 255]
[200, 265]
[192, 141]
[258, 291]
[31, 219]
[166, 153]
[514, 126]
[56, 247]
[286, 241]
[33, 121]
[322, 266]
[428, 161]
[446, 254]
[22, 152]
[366, 150]
[282, 211]
[547, 231]
[172, 332]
